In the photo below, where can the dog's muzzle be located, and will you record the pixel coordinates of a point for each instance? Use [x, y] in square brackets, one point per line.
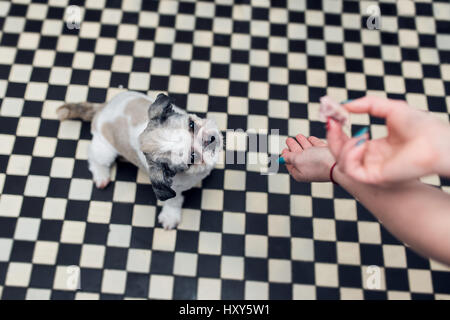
[211, 141]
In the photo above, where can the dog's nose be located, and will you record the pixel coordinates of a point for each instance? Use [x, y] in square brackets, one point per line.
[211, 140]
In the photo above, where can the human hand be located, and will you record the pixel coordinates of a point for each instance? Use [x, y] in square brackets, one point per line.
[417, 144]
[308, 159]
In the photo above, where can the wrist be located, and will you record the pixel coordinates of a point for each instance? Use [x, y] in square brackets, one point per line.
[328, 167]
[332, 168]
[339, 177]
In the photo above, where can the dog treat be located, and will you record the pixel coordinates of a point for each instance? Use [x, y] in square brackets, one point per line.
[331, 109]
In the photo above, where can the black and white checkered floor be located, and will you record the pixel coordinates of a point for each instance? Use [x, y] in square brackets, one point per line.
[252, 65]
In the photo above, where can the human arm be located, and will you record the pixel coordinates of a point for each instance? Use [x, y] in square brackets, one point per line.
[417, 144]
[413, 212]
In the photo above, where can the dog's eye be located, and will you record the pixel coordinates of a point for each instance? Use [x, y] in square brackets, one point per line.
[192, 157]
[191, 125]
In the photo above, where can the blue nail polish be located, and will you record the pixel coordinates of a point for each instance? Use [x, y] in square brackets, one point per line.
[346, 101]
[360, 142]
[361, 132]
[281, 160]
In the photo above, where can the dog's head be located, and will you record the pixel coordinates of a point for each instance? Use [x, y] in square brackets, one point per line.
[175, 141]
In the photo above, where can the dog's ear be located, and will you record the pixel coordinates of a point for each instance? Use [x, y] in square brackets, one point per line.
[161, 177]
[161, 109]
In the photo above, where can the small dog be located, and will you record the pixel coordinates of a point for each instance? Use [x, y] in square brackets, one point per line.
[175, 148]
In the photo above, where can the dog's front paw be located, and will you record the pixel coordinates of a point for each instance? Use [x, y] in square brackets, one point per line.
[102, 184]
[169, 217]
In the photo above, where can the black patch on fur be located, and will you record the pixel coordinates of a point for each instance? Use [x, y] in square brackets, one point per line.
[161, 109]
[169, 173]
[162, 191]
[161, 178]
[166, 113]
[161, 183]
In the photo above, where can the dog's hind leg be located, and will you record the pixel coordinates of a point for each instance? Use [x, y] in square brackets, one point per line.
[100, 157]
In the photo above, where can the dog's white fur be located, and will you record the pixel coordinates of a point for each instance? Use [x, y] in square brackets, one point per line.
[135, 127]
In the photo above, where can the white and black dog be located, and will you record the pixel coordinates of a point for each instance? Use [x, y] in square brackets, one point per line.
[175, 148]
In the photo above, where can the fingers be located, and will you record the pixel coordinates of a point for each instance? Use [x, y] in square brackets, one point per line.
[316, 142]
[284, 152]
[336, 137]
[299, 143]
[289, 157]
[304, 142]
[351, 158]
[375, 106]
[293, 145]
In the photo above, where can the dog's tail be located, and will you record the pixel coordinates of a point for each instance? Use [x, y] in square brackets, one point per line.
[85, 110]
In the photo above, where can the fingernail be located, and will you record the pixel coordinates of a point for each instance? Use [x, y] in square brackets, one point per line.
[360, 142]
[281, 160]
[361, 132]
[346, 101]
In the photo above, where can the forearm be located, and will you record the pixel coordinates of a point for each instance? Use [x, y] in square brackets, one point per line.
[443, 164]
[417, 214]
[442, 146]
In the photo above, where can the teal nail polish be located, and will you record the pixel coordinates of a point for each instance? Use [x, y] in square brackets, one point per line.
[360, 142]
[346, 101]
[361, 132]
[281, 160]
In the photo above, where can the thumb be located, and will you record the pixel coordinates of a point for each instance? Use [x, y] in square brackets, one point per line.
[289, 157]
[336, 137]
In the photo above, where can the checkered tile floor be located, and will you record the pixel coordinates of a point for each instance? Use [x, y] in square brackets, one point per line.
[260, 65]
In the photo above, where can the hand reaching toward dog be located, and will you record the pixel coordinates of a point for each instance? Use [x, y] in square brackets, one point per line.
[308, 159]
[417, 144]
